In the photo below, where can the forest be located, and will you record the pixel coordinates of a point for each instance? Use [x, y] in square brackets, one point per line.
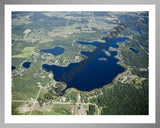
[124, 99]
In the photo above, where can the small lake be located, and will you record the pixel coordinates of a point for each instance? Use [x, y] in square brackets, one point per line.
[137, 29]
[105, 33]
[26, 64]
[134, 50]
[13, 67]
[54, 51]
[96, 73]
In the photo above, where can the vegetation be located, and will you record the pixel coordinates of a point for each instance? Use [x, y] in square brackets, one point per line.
[124, 99]
[25, 52]
[71, 95]
[91, 110]
[127, 95]
[15, 106]
[63, 109]
[14, 109]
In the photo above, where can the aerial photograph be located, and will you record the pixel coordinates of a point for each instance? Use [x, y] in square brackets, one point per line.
[80, 63]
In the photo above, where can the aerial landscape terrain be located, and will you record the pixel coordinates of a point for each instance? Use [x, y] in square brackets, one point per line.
[60, 68]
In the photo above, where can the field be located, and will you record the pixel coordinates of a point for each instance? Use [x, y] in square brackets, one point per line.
[25, 52]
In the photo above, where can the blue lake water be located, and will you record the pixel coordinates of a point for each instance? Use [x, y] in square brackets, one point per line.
[26, 64]
[105, 33]
[90, 73]
[134, 50]
[54, 51]
[137, 29]
[13, 67]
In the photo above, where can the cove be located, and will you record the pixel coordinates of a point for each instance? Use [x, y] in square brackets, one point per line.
[54, 51]
[96, 73]
[26, 64]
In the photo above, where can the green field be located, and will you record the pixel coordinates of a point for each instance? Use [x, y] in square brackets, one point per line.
[25, 52]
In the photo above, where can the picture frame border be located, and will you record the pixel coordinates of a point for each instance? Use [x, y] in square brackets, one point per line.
[4, 2]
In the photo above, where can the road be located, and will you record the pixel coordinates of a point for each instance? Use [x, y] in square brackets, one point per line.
[55, 102]
[35, 101]
[143, 48]
[79, 102]
[66, 27]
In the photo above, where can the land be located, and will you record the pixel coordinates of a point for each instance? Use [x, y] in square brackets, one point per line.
[34, 31]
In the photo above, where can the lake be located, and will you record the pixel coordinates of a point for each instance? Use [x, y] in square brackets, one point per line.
[13, 67]
[134, 50]
[96, 73]
[26, 64]
[54, 51]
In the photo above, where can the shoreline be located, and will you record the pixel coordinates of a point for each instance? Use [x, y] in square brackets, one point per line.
[96, 89]
[111, 83]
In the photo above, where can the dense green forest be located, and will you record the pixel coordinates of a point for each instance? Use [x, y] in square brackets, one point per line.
[124, 99]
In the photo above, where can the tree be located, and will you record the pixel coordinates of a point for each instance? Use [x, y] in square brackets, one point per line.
[91, 110]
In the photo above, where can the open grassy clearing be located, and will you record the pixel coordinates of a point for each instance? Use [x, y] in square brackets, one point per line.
[25, 52]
